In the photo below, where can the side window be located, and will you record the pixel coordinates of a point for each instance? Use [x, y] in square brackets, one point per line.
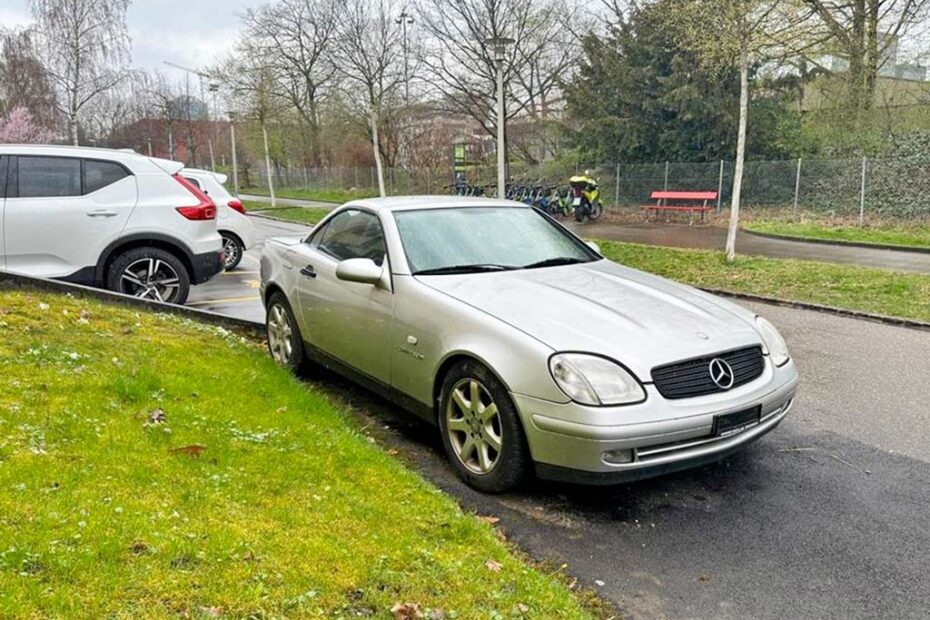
[99, 174]
[4, 159]
[48, 177]
[353, 234]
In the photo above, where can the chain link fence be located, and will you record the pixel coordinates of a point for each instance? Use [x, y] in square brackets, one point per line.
[856, 189]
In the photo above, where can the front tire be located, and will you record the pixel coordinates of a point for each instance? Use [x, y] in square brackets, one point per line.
[232, 251]
[481, 430]
[285, 344]
[149, 273]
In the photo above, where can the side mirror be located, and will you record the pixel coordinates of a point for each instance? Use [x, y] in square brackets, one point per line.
[362, 270]
[593, 246]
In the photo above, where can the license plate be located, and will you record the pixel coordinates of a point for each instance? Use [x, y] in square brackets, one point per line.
[576, 202]
[732, 423]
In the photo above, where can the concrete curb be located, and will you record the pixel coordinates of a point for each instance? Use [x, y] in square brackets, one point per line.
[845, 312]
[848, 244]
[12, 281]
[261, 198]
[281, 219]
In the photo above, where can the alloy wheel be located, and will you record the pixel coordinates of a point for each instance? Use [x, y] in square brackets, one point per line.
[279, 334]
[150, 278]
[473, 424]
[230, 252]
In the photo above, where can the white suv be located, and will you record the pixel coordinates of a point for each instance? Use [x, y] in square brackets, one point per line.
[233, 224]
[106, 218]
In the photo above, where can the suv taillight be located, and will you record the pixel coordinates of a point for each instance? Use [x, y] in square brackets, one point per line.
[203, 210]
[236, 205]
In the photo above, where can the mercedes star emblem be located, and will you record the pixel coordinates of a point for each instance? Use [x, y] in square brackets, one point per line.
[721, 373]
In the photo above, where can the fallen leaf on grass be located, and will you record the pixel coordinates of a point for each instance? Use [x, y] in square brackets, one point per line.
[393, 452]
[406, 611]
[194, 450]
[211, 612]
[494, 565]
[491, 520]
[138, 547]
[157, 416]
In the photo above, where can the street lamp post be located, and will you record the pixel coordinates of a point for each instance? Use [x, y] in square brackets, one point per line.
[404, 19]
[500, 51]
[235, 164]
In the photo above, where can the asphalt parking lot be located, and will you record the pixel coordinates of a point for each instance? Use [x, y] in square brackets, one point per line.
[236, 292]
[826, 517]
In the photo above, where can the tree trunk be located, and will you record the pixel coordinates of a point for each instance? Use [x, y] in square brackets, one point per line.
[268, 170]
[740, 150]
[73, 128]
[376, 146]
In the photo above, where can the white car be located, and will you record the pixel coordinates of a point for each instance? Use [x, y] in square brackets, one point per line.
[231, 221]
[106, 218]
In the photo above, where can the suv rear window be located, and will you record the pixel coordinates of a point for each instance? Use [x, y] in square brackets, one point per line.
[99, 174]
[48, 177]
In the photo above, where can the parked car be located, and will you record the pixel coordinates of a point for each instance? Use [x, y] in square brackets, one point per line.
[528, 349]
[106, 218]
[233, 224]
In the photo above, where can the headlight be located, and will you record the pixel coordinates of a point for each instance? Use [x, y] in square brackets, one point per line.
[778, 350]
[593, 380]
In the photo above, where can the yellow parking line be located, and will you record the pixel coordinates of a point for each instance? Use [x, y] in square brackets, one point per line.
[228, 300]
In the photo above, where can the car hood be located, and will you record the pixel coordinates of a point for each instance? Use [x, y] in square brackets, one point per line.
[638, 319]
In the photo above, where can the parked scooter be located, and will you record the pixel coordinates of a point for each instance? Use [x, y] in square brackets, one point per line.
[585, 197]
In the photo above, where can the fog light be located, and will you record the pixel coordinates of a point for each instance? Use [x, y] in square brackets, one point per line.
[618, 457]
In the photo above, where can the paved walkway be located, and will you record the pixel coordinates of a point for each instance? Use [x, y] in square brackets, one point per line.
[714, 238]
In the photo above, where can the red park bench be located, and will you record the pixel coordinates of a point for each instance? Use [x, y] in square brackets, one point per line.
[690, 202]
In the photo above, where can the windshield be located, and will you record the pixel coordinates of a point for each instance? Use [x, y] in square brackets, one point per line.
[471, 239]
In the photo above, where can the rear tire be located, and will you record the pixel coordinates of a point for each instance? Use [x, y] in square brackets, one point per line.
[149, 273]
[232, 251]
[285, 344]
[596, 210]
[481, 430]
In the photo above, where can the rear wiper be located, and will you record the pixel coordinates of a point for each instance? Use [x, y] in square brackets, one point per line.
[555, 262]
[480, 268]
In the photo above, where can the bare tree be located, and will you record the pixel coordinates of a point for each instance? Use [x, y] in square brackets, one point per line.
[253, 96]
[370, 49]
[84, 45]
[23, 81]
[863, 32]
[462, 64]
[296, 37]
[742, 33]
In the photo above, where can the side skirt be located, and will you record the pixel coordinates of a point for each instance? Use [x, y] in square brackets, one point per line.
[408, 403]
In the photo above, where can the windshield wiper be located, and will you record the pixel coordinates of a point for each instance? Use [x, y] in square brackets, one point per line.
[555, 262]
[480, 268]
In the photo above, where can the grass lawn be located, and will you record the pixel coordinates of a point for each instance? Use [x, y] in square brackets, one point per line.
[909, 236]
[858, 288]
[327, 195]
[303, 215]
[255, 497]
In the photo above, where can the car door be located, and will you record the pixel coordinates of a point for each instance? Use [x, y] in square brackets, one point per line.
[349, 321]
[61, 212]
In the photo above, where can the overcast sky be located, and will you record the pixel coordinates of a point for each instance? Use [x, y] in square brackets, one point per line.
[193, 33]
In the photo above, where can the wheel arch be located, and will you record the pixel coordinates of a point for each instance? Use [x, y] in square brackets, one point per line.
[162, 242]
[449, 362]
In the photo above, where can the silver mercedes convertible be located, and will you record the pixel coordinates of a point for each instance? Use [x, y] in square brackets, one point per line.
[530, 351]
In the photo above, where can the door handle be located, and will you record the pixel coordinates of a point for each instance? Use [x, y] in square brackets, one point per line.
[102, 213]
[308, 271]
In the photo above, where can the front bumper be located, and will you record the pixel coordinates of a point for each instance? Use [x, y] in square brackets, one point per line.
[571, 442]
[205, 266]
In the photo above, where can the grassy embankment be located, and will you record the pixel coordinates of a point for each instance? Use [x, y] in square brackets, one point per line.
[154, 467]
